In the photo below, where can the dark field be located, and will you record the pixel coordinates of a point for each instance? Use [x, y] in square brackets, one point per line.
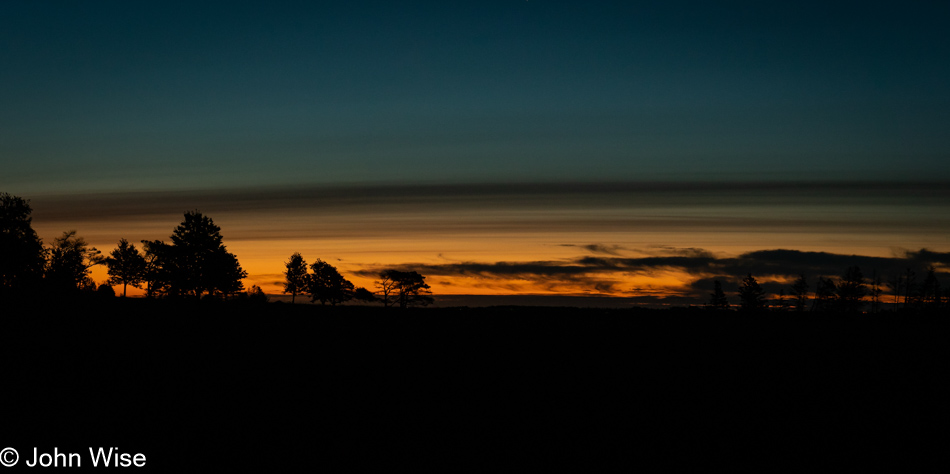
[272, 386]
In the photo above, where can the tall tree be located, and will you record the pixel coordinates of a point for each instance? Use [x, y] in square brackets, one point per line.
[202, 264]
[126, 266]
[851, 290]
[751, 295]
[22, 256]
[800, 292]
[717, 299]
[296, 278]
[327, 285]
[70, 261]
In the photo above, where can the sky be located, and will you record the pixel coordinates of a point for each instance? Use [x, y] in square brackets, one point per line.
[374, 134]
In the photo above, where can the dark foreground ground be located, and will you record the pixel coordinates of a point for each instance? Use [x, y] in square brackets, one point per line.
[511, 388]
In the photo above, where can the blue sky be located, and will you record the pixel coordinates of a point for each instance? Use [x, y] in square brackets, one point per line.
[466, 138]
[163, 96]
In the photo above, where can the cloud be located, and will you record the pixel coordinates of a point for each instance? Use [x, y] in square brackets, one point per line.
[544, 269]
[469, 212]
[599, 274]
[929, 257]
[668, 251]
[599, 248]
[764, 262]
[492, 195]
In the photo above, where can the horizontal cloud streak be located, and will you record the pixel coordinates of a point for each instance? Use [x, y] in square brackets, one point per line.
[598, 272]
[766, 262]
[389, 197]
[359, 211]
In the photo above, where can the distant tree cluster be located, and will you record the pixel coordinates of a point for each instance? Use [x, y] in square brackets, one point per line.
[403, 288]
[194, 264]
[850, 293]
[913, 293]
[325, 284]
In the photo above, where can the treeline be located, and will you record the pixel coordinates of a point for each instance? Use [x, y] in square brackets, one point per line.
[848, 293]
[325, 284]
[194, 264]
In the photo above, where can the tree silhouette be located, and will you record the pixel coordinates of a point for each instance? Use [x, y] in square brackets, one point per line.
[226, 273]
[825, 293]
[158, 268]
[782, 301]
[327, 285]
[896, 283]
[256, 294]
[362, 294]
[876, 292]
[910, 287]
[717, 299]
[297, 280]
[751, 295]
[851, 290]
[414, 291]
[195, 264]
[22, 256]
[105, 291]
[388, 287]
[405, 288]
[69, 263]
[126, 266]
[201, 264]
[800, 292]
[930, 294]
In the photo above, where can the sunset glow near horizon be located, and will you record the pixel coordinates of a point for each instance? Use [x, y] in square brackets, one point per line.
[506, 241]
[498, 147]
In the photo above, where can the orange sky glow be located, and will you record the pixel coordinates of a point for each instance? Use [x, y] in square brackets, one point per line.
[359, 236]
